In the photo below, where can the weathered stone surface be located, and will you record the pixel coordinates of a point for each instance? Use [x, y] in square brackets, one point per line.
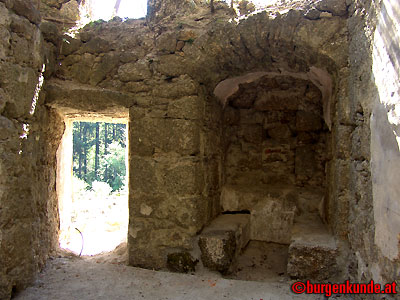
[137, 87]
[291, 43]
[172, 65]
[221, 242]
[148, 238]
[180, 45]
[218, 250]
[103, 68]
[231, 116]
[305, 164]
[277, 100]
[234, 199]
[180, 179]
[252, 133]
[28, 9]
[249, 116]
[96, 45]
[336, 7]
[261, 145]
[8, 128]
[272, 221]
[67, 13]
[147, 170]
[20, 48]
[341, 135]
[19, 83]
[4, 98]
[22, 27]
[186, 108]
[246, 7]
[158, 9]
[134, 71]
[306, 121]
[186, 211]
[177, 88]
[69, 45]
[312, 251]
[50, 59]
[312, 14]
[75, 97]
[56, 3]
[184, 179]
[181, 262]
[280, 132]
[81, 71]
[153, 135]
[5, 42]
[166, 43]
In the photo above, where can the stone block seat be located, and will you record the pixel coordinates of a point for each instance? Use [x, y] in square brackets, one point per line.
[222, 241]
[278, 214]
[312, 250]
[273, 208]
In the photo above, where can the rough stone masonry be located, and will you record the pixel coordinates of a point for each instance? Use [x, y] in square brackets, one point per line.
[304, 130]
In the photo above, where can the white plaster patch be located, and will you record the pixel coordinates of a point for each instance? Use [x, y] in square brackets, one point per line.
[145, 209]
[133, 233]
[362, 268]
[385, 128]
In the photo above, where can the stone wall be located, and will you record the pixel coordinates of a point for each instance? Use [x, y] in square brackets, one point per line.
[165, 73]
[174, 131]
[29, 135]
[62, 13]
[374, 94]
[273, 134]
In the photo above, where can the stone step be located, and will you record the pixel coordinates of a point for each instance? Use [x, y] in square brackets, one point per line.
[222, 241]
[312, 251]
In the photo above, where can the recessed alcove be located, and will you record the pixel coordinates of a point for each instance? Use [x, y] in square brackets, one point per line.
[276, 149]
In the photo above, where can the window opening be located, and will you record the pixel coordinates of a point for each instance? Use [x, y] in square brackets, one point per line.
[93, 10]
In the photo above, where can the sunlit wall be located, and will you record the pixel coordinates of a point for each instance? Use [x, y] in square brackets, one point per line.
[385, 130]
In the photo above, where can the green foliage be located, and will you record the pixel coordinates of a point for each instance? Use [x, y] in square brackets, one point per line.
[95, 23]
[99, 153]
[115, 160]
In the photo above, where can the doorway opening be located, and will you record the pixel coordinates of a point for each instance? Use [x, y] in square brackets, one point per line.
[94, 185]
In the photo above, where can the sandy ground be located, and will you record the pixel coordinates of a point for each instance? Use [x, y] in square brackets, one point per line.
[80, 279]
[106, 276]
[263, 261]
[68, 277]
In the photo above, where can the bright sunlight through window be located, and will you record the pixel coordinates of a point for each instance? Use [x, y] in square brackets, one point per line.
[107, 9]
[95, 215]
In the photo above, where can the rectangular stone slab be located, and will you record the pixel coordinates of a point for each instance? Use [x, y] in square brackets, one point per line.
[221, 242]
[312, 251]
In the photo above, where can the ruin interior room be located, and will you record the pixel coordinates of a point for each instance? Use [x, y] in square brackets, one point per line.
[272, 129]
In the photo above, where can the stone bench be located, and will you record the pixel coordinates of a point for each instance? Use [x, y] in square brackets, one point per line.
[273, 208]
[222, 241]
[312, 251]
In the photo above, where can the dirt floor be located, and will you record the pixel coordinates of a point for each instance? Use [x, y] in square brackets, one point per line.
[106, 276]
[264, 262]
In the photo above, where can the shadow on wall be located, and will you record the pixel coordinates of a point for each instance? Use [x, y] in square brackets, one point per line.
[385, 130]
